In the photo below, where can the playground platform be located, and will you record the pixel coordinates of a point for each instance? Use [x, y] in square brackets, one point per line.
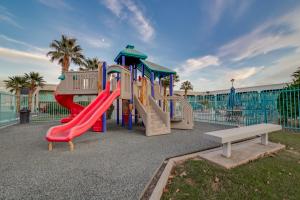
[114, 165]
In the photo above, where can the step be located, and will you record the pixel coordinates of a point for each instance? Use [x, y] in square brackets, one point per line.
[158, 126]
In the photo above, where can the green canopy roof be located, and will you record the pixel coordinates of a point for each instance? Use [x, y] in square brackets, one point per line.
[159, 71]
[130, 51]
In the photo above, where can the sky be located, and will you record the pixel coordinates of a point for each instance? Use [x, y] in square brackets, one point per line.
[208, 42]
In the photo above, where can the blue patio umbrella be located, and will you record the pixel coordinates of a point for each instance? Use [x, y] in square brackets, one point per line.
[231, 99]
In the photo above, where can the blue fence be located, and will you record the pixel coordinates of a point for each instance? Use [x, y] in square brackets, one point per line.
[8, 112]
[270, 106]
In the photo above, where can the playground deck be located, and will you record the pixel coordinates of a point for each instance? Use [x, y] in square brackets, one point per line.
[117, 168]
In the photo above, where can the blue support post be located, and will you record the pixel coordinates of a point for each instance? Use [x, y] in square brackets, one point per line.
[131, 97]
[159, 83]
[118, 103]
[171, 94]
[123, 63]
[143, 70]
[103, 87]
[152, 84]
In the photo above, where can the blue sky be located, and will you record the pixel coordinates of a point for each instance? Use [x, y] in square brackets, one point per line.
[206, 41]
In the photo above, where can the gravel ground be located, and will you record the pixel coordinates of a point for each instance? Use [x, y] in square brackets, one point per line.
[114, 165]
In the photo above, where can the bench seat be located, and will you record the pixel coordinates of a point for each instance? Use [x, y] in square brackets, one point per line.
[227, 136]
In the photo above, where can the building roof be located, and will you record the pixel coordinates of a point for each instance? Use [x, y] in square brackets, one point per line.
[159, 71]
[130, 51]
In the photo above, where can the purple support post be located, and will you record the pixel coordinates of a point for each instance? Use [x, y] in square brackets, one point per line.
[118, 103]
[143, 70]
[152, 84]
[159, 83]
[171, 94]
[123, 63]
[135, 110]
[103, 87]
[131, 97]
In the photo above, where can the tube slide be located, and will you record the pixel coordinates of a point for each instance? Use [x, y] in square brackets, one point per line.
[86, 118]
[66, 100]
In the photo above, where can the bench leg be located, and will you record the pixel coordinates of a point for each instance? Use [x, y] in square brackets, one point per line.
[264, 139]
[227, 149]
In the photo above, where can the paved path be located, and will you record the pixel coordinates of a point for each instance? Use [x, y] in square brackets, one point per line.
[114, 165]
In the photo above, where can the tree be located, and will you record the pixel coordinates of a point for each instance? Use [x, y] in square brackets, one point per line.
[90, 64]
[186, 86]
[296, 77]
[34, 80]
[66, 51]
[165, 82]
[15, 84]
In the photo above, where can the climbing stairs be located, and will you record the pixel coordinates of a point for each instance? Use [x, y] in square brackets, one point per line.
[156, 121]
[156, 125]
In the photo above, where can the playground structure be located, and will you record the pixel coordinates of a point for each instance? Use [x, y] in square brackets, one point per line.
[138, 99]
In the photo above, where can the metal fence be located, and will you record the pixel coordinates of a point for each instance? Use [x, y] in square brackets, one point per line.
[45, 107]
[269, 106]
[8, 112]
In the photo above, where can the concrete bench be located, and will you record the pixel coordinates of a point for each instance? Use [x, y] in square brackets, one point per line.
[225, 137]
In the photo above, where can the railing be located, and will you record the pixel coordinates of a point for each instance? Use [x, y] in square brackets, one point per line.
[164, 116]
[272, 106]
[79, 82]
[142, 111]
[183, 112]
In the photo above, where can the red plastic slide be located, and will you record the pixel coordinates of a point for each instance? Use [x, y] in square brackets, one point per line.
[86, 118]
[66, 100]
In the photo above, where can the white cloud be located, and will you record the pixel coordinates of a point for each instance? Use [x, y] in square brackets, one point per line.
[128, 10]
[262, 40]
[192, 65]
[217, 8]
[4, 38]
[16, 62]
[13, 54]
[114, 6]
[244, 73]
[8, 17]
[57, 4]
[91, 39]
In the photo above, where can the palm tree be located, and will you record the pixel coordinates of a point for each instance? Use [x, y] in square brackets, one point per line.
[165, 82]
[91, 64]
[66, 51]
[296, 77]
[15, 84]
[34, 80]
[186, 85]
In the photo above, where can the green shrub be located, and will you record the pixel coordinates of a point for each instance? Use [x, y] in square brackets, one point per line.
[288, 102]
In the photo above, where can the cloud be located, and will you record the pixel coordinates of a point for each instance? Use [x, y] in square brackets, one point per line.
[192, 65]
[13, 54]
[217, 8]
[128, 10]
[57, 4]
[91, 39]
[244, 73]
[18, 62]
[8, 17]
[283, 32]
[4, 38]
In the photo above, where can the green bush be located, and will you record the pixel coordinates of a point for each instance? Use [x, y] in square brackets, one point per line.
[288, 102]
